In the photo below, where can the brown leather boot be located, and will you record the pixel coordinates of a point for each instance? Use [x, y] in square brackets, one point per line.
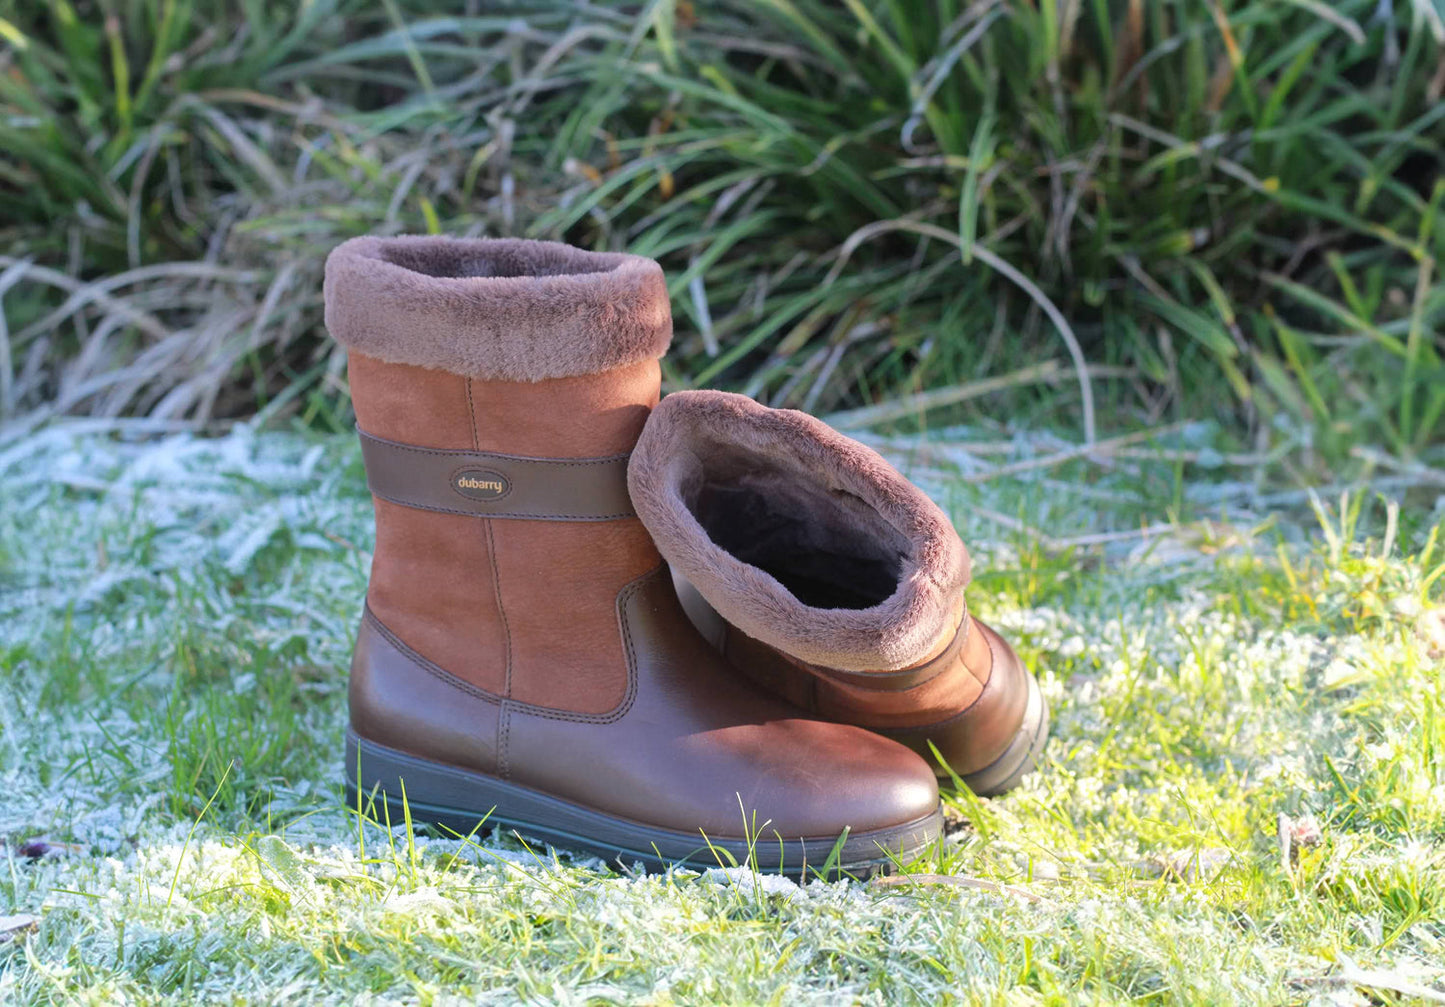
[830, 579]
[523, 654]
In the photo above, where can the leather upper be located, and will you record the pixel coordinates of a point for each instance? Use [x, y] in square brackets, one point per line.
[555, 654]
[971, 710]
[690, 746]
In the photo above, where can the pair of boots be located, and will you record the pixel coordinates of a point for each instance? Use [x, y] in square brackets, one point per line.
[524, 655]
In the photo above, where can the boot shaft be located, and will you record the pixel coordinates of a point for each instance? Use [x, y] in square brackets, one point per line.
[826, 577]
[800, 537]
[453, 346]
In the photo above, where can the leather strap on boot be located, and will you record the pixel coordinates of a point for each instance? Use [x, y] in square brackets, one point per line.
[908, 678]
[486, 484]
[874, 681]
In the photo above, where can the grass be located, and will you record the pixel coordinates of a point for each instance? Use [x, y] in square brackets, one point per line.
[177, 614]
[1146, 293]
[1221, 211]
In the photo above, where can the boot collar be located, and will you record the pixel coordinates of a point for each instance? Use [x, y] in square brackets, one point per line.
[498, 309]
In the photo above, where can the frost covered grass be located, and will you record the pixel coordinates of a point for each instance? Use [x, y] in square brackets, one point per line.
[1244, 800]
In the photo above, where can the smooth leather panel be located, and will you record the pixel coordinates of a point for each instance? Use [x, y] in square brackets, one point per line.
[582, 417]
[971, 711]
[939, 697]
[559, 585]
[691, 747]
[942, 657]
[769, 668]
[952, 681]
[976, 736]
[431, 582]
[398, 700]
[912, 680]
[572, 489]
[695, 746]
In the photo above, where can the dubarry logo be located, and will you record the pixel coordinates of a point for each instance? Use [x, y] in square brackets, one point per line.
[481, 484]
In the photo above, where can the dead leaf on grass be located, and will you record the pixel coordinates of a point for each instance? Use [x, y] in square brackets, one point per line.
[40, 849]
[12, 927]
[1205, 864]
[957, 881]
[1431, 628]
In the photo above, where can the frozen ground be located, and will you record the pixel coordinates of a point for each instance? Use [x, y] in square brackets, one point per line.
[1244, 800]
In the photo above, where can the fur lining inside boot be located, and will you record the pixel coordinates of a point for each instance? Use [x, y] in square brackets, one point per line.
[499, 309]
[800, 537]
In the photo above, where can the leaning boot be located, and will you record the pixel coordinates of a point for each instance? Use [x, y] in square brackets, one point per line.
[823, 574]
[522, 657]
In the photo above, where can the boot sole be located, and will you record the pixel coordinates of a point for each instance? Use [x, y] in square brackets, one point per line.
[462, 802]
[1022, 754]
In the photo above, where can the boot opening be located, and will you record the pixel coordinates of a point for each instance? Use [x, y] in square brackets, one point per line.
[825, 545]
[460, 260]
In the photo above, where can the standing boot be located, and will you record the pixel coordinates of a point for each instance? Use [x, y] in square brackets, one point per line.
[827, 577]
[522, 654]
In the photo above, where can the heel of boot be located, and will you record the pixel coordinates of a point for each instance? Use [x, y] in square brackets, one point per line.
[1022, 754]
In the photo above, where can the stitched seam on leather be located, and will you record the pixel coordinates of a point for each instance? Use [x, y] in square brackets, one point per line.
[623, 597]
[992, 667]
[436, 671]
[504, 736]
[525, 515]
[927, 672]
[452, 453]
[447, 678]
[501, 609]
[504, 718]
[472, 415]
[561, 463]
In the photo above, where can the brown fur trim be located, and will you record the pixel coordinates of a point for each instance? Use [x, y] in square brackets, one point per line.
[741, 498]
[500, 309]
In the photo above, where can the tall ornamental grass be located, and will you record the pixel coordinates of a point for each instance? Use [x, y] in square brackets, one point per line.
[1091, 213]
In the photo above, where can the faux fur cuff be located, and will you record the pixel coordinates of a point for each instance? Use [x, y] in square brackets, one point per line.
[798, 536]
[501, 309]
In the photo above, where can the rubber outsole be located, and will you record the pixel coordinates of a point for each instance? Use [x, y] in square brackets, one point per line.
[1022, 754]
[463, 802]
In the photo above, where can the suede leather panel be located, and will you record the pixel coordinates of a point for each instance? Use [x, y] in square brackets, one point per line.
[559, 585]
[520, 609]
[431, 585]
[431, 580]
[559, 581]
[410, 405]
[579, 417]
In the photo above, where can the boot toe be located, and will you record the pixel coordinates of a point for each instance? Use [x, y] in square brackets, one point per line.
[834, 776]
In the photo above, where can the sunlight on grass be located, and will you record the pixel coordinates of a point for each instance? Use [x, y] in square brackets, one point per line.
[178, 618]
